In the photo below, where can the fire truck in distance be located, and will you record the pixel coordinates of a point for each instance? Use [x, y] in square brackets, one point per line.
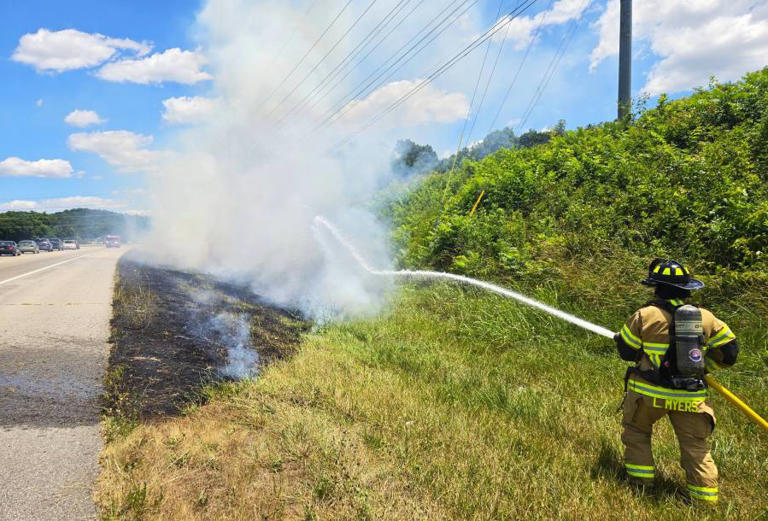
[112, 241]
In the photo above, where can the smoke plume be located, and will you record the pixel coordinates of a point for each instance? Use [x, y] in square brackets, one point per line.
[239, 195]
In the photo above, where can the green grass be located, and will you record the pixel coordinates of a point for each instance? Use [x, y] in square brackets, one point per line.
[452, 405]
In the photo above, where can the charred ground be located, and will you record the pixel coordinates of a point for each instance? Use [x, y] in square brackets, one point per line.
[162, 352]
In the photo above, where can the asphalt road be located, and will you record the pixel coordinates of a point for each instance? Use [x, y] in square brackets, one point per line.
[54, 325]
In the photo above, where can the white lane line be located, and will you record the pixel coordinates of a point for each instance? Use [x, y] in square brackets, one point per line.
[41, 269]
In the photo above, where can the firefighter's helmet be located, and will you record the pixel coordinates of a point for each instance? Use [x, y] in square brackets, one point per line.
[671, 273]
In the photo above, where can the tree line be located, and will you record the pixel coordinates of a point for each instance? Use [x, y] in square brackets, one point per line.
[81, 224]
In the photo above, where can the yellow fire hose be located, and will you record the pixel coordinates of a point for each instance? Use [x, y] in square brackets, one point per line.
[746, 409]
[476, 203]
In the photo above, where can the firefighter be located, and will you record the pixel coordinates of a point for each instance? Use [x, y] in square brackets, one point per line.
[673, 345]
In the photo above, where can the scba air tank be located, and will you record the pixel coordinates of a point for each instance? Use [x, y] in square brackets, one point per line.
[689, 341]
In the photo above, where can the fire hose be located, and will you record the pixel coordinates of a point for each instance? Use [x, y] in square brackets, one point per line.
[421, 274]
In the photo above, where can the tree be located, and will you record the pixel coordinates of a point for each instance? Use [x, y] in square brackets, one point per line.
[496, 140]
[412, 159]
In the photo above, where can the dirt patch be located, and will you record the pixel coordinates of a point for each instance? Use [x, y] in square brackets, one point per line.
[174, 332]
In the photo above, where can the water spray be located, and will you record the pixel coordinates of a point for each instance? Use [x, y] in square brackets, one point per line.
[504, 292]
[422, 274]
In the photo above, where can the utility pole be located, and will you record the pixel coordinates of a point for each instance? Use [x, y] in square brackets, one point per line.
[625, 59]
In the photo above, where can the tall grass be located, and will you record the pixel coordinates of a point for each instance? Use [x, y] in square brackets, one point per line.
[453, 405]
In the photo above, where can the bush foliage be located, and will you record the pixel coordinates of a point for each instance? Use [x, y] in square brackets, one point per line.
[687, 179]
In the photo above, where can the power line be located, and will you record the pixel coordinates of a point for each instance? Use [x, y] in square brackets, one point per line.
[394, 28]
[333, 47]
[474, 94]
[548, 74]
[521, 8]
[464, 125]
[319, 38]
[490, 78]
[391, 15]
[424, 46]
[520, 67]
[450, 63]
[357, 92]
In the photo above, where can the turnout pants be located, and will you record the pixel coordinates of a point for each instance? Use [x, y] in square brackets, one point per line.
[692, 430]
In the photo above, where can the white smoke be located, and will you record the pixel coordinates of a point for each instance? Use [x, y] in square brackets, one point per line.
[234, 332]
[239, 196]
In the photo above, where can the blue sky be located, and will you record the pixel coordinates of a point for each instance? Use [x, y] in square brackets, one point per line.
[33, 104]
[157, 51]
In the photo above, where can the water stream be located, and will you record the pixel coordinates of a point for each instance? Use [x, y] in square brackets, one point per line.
[422, 274]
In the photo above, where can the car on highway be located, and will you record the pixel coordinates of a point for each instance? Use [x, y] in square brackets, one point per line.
[56, 243]
[44, 244]
[70, 244]
[28, 247]
[9, 248]
[112, 241]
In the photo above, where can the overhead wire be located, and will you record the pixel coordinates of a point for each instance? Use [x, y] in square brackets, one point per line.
[309, 51]
[432, 38]
[490, 79]
[517, 11]
[472, 100]
[466, 51]
[370, 51]
[399, 55]
[534, 37]
[548, 74]
[391, 15]
[325, 56]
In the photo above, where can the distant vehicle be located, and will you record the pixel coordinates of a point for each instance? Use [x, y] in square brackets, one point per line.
[70, 244]
[44, 244]
[112, 241]
[28, 247]
[55, 243]
[9, 248]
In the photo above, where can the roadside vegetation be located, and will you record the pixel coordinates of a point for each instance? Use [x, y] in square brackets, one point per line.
[455, 404]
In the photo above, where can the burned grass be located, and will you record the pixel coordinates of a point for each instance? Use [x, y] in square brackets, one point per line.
[175, 332]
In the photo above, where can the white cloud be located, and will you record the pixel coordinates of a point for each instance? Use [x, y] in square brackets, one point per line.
[15, 167]
[39, 102]
[521, 29]
[694, 40]
[83, 118]
[184, 110]
[122, 149]
[429, 105]
[170, 65]
[62, 203]
[70, 49]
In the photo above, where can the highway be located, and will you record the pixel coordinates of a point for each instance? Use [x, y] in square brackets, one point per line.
[54, 326]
